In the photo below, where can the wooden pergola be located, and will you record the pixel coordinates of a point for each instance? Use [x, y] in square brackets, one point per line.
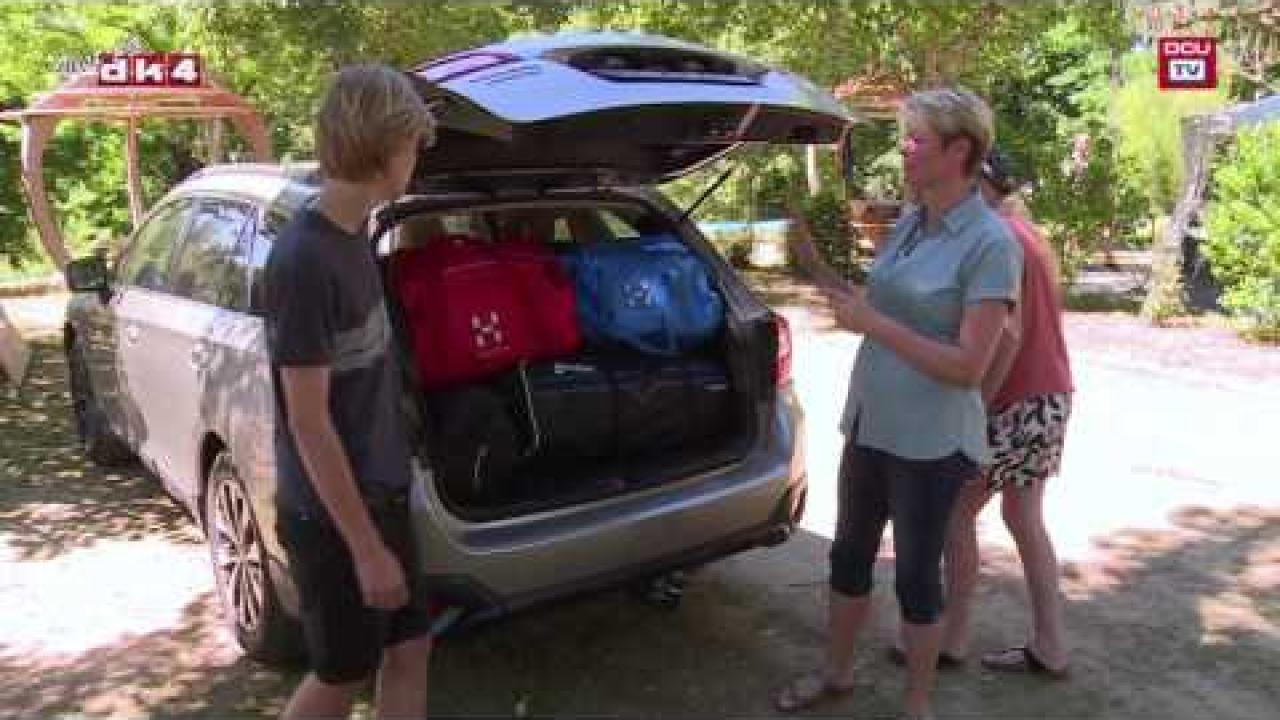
[82, 98]
[876, 95]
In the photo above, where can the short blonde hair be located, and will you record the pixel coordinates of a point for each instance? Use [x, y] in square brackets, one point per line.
[367, 114]
[952, 114]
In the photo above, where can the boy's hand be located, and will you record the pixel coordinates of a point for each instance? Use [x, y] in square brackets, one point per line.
[382, 581]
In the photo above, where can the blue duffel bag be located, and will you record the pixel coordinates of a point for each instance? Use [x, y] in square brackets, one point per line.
[652, 294]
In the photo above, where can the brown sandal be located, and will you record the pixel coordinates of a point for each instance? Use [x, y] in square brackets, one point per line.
[1021, 659]
[806, 691]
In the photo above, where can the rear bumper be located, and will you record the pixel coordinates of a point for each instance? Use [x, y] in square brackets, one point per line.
[500, 567]
[483, 605]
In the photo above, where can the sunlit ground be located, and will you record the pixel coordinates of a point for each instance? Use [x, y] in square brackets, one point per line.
[1167, 517]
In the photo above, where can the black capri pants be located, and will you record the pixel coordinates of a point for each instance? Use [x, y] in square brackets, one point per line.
[918, 495]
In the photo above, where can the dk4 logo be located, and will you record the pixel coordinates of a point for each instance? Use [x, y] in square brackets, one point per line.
[150, 69]
[1188, 63]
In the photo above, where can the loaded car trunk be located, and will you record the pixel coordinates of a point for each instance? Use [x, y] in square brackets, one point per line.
[575, 119]
[601, 420]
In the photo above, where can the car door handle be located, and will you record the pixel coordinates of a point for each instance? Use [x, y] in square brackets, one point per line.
[132, 334]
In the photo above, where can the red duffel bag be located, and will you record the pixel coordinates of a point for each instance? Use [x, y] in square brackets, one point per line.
[552, 303]
[477, 310]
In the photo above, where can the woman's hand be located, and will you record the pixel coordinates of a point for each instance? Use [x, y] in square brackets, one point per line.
[800, 243]
[805, 253]
[851, 309]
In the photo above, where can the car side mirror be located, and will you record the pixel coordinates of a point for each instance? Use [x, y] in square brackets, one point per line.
[88, 274]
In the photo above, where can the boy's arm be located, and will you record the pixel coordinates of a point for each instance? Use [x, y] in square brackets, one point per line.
[306, 395]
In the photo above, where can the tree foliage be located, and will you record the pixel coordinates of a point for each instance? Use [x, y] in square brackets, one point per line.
[1027, 57]
[1244, 229]
[1150, 129]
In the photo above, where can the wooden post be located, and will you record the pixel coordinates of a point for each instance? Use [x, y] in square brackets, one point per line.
[136, 207]
[14, 353]
[213, 128]
[254, 129]
[36, 132]
[812, 172]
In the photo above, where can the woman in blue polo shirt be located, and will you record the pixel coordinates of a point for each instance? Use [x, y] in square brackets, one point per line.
[938, 296]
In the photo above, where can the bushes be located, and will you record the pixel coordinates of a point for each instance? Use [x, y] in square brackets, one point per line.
[1243, 220]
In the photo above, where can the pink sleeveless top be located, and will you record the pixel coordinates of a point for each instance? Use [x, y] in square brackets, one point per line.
[1041, 366]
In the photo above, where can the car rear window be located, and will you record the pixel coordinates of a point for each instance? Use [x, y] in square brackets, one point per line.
[555, 225]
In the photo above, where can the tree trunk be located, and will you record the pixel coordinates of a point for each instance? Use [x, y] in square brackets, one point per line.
[1166, 296]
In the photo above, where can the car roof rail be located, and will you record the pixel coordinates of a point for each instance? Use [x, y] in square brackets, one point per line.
[307, 173]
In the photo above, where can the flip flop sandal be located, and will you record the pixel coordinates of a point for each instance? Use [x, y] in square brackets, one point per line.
[806, 691]
[1021, 659]
[946, 661]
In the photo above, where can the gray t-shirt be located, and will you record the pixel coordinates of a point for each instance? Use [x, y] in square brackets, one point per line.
[925, 281]
[325, 306]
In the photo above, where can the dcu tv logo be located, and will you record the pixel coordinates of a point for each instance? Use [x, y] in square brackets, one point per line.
[1188, 63]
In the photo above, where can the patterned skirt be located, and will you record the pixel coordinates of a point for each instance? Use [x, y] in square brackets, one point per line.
[1026, 441]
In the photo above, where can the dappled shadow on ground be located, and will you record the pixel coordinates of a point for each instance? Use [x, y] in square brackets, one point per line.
[1165, 624]
[1176, 623]
[52, 499]
[191, 670]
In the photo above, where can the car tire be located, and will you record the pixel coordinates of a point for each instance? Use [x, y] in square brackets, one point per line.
[100, 443]
[249, 600]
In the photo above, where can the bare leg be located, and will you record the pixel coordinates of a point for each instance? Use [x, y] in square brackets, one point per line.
[1022, 509]
[961, 567]
[846, 616]
[923, 642]
[402, 680]
[316, 699]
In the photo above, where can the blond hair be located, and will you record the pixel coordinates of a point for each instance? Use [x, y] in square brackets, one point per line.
[952, 114]
[367, 114]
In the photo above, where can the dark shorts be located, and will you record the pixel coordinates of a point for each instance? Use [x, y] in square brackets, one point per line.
[344, 638]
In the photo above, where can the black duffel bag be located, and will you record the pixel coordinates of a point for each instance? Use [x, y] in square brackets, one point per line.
[478, 444]
[670, 405]
[570, 409]
[602, 407]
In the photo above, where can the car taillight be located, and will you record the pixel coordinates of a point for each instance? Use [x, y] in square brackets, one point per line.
[782, 362]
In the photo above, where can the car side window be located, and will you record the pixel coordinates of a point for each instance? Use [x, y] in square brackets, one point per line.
[619, 227]
[211, 266]
[146, 263]
[262, 238]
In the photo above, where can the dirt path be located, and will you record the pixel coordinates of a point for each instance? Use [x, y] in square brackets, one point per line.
[1170, 523]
